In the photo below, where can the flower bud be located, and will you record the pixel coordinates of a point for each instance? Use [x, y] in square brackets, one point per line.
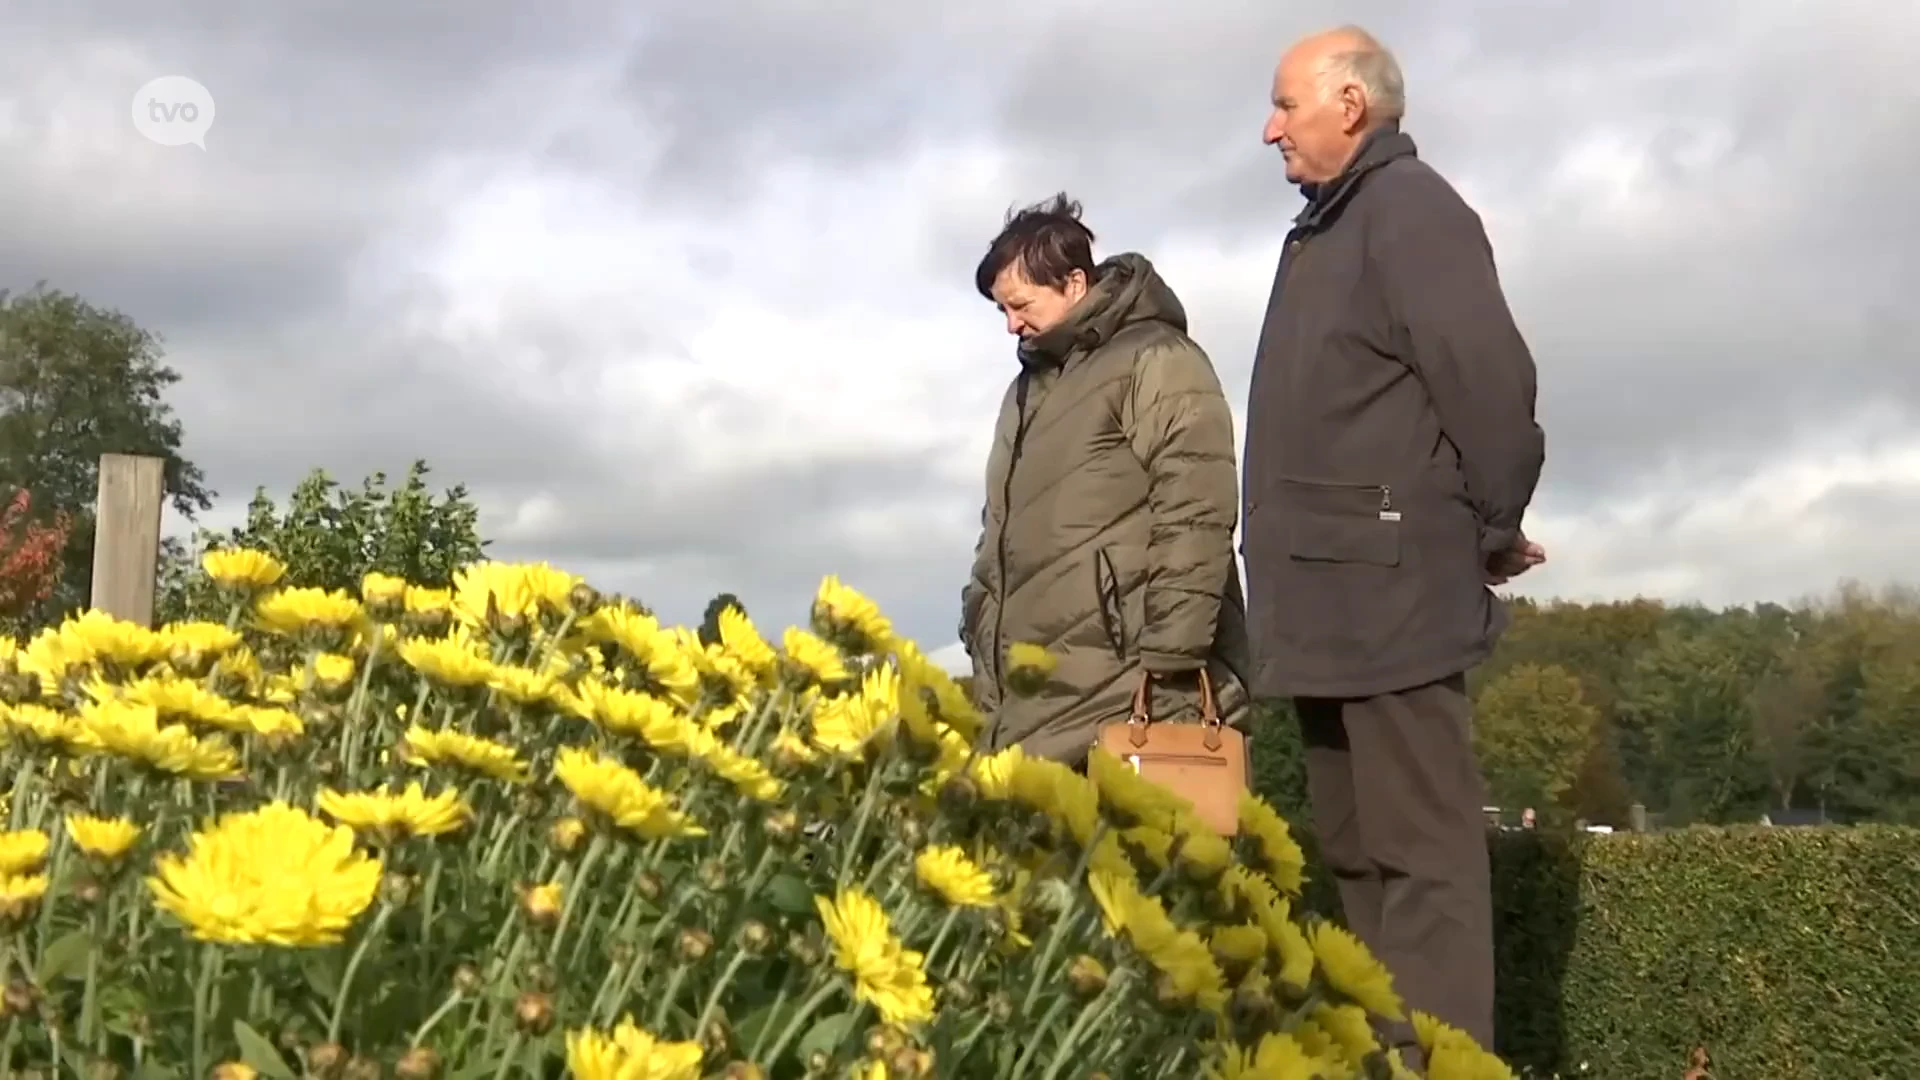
[1087, 976]
[782, 826]
[19, 998]
[743, 1070]
[189, 662]
[467, 980]
[533, 1012]
[542, 977]
[693, 945]
[911, 832]
[418, 1063]
[882, 1041]
[713, 874]
[716, 1039]
[88, 892]
[327, 1060]
[363, 1068]
[234, 1070]
[910, 1063]
[1000, 1008]
[958, 993]
[819, 1062]
[541, 904]
[583, 599]
[959, 794]
[566, 834]
[1168, 993]
[396, 889]
[803, 950]
[755, 938]
[650, 886]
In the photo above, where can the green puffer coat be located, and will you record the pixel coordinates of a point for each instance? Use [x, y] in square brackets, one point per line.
[1107, 535]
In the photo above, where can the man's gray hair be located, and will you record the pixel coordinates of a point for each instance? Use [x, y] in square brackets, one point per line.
[1370, 64]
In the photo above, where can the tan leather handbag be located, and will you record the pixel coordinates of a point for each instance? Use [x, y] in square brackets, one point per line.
[1204, 763]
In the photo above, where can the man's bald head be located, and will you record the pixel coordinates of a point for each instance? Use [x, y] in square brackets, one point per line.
[1330, 89]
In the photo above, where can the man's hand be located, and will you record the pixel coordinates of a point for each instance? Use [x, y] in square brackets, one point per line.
[1523, 556]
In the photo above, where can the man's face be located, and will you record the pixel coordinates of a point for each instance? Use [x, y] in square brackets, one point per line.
[1034, 309]
[1315, 133]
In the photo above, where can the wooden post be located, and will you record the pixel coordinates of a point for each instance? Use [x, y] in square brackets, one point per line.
[126, 535]
[1637, 817]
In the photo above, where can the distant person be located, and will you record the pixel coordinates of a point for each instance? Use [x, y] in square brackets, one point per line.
[1391, 454]
[1111, 498]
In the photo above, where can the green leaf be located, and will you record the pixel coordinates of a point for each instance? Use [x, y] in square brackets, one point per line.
[827, 1035]
[256, 1051]
[789, 894]
[322, 979]
[65, 958]
[153, 1070]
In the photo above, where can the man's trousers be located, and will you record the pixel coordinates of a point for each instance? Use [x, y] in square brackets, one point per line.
[1397, 802]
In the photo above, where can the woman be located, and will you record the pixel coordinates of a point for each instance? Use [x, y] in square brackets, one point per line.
[1111, 499]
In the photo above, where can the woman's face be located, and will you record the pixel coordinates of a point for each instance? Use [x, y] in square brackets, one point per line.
[1034, 309]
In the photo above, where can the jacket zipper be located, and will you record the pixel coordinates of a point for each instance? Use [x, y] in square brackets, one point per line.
[1006, 507]
[1387, 512]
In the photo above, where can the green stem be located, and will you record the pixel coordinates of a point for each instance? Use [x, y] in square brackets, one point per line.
[353, 968]
[1054, 940]
[202, 1001]
[513, 1051]
[447, 1006]
[1090, 1018]
[792, 1029]
[719, 989]
[867, 799]
[1019, 1068]
[574, 888]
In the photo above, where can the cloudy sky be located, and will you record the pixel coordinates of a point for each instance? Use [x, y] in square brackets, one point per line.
[683, 291]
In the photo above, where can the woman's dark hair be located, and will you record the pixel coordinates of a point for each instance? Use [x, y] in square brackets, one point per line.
[1048, 242]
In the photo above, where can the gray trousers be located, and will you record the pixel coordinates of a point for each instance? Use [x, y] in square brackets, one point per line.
[1397, 802]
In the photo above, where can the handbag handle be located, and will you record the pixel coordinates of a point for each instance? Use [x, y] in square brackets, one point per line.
[1141, 719]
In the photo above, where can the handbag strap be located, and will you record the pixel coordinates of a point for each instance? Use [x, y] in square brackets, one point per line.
[1142, 717]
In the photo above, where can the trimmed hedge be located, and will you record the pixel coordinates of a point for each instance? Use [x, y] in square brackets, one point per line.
[1788, 953]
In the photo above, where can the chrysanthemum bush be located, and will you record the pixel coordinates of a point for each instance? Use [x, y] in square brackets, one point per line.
[515, 827]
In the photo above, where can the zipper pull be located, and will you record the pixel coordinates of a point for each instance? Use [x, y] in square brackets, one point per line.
[1387, 512]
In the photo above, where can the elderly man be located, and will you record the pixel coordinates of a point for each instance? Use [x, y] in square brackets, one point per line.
[1391, 453]
[1107, 535]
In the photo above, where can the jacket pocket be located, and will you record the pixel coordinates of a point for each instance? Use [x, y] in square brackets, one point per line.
[1113, 618]
[1342, 523]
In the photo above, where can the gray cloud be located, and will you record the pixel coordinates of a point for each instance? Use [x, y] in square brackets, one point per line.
[1718, 282]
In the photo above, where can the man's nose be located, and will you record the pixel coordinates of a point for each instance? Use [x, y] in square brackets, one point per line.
[1276, 127]
[1014, 325]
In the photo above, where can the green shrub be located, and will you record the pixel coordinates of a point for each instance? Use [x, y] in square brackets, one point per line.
[1788, 953]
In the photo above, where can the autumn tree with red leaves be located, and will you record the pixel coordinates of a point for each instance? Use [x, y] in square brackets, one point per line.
[30, 562]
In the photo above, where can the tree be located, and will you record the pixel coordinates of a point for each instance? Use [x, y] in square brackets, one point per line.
[1534, 732]
[30, 554]
[76, 382]
[330, 537]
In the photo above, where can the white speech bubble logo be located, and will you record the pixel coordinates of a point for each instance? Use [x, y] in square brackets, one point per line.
[173, 110]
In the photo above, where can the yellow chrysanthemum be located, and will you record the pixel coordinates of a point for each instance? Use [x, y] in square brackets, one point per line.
[950, 874]
[20, 896]
[846, 614]
[812, 659]
[846, 724]
[885, 973]
[133, 732]
[243, 569]
[630, 1053]
[1349, 1028]
[394, 817]
[666, 667]
[1280, 854]
[272, 876]
[1026, 657]
[490, 759]
[994, 772]
[636, 715]
[1057, 791]
[457, 660]
[207, 639]
[322, 614]
[176, 700]
[106, 839]
[383, 591]
[743, 642]
[42, 726]
[491, 594]
[1130, 799]
[22, 851]
[1353, 971]
[617, 795]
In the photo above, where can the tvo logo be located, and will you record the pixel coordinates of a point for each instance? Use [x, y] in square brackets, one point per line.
[173, 110]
